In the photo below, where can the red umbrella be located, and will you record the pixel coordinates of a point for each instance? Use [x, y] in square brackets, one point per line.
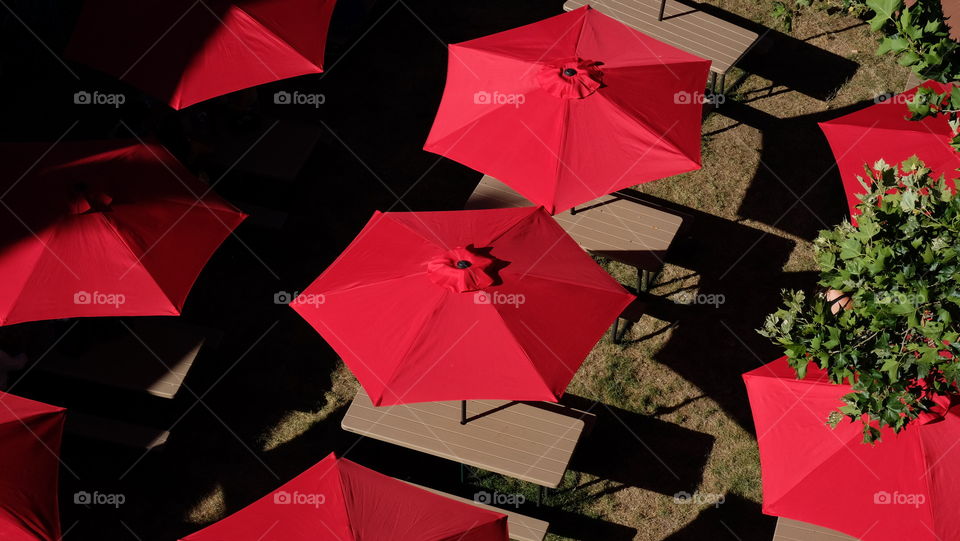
[29, 451]
[884, 131]
[571, 108]
[339, 500]
[102, 229]
[484, 304]
[184, 52]
[905, 487]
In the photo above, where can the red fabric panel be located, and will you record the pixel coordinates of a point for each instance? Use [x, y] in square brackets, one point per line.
[902, 488]
[30, 434]
[883, 131]
[338, 500]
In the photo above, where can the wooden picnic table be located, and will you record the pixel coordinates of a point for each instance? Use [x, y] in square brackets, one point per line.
[614, 226]
[154, 356]
[521, 527]
[529, 441]
[794, 530]
[683, 26]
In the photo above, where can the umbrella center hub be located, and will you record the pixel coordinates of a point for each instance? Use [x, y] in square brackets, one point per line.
[89, 200]
[571, 78]
[461, 269]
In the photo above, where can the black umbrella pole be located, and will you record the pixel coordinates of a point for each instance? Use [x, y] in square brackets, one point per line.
[463, 412]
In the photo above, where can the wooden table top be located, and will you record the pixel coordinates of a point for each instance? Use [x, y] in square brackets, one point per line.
[529, 441]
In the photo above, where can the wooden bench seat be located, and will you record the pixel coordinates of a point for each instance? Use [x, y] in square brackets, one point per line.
[683, 26]
[526, 441]
[794, 530]
[522, 527]
[114, 431]
[154, 356]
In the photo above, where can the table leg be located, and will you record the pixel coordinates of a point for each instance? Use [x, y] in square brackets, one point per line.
[645, 278]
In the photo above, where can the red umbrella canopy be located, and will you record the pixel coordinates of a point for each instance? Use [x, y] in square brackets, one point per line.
[29, 451]
[102, 229]
[571, 108]
[485, 304]
[185, 52]
[339, 500]
[905, 487]
[884, 131]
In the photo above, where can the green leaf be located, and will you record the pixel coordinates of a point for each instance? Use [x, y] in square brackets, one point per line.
[892, 45]
[908, 200]
[884, 10]
[908, 58]
[891, 367]
[955, 98]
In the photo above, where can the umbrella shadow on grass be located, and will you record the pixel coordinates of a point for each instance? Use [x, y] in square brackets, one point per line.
[736, 519]
[636, 450]
[740, 269]
[797, 186]
[788, 61]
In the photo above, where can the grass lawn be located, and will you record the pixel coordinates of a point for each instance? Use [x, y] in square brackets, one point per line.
[672, 411]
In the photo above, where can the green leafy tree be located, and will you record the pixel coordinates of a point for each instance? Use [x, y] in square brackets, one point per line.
[930, 103]
[895, 342]
[918, 35]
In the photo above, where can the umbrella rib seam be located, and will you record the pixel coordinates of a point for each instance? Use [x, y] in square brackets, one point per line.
[343, 495]
[394, 372]
[36, 263]
[116, 232]
[926, 477]
[514, 225]
[275, 35]
[526, 354]
[806, 475]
